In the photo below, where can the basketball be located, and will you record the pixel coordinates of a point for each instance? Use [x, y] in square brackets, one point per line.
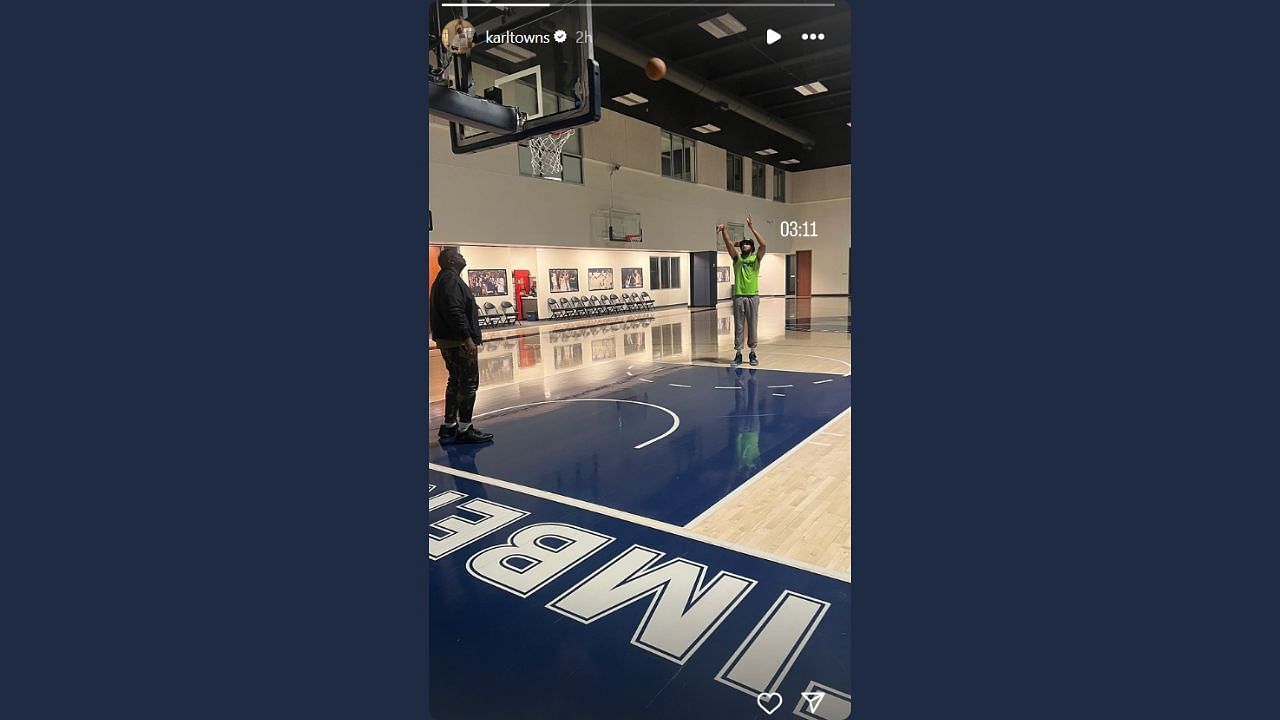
[655, 69]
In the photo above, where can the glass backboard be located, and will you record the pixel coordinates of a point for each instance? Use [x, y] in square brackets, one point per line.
[539, 60]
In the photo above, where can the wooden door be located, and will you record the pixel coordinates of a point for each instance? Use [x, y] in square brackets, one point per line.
[804, 269]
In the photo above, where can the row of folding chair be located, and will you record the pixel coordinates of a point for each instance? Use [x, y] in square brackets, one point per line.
[491, 316]
[584, 306]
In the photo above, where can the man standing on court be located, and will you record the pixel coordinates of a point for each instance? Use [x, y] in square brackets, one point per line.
[746, 289]
[455, 326]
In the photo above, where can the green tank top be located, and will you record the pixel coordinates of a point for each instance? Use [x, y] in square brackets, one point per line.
[746, 275]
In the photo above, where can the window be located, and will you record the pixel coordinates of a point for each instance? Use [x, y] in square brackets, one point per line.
[677, 157]
[779, 185]
[571, 158]
[664, 273]
[757, 179]
[733, 172]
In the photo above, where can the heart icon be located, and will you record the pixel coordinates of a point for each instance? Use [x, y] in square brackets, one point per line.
[769, 702]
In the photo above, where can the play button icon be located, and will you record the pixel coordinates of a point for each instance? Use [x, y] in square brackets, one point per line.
[771, 36]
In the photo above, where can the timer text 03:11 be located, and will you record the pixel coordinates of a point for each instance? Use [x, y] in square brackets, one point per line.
[791, 228]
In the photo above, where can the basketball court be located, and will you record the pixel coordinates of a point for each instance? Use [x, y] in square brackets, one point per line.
[654, 532]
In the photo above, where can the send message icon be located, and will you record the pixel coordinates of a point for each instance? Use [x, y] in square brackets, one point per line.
[813, 698]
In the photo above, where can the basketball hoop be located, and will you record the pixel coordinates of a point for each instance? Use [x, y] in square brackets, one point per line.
[545, 152]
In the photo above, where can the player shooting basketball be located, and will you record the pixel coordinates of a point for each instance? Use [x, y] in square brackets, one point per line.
[746, 289]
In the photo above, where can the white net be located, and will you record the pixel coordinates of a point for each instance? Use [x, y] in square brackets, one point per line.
[545, 152]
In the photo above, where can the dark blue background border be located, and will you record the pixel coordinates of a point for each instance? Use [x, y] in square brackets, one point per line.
[214, 270]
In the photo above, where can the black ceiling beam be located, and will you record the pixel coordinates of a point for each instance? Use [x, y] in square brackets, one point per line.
[812, 113]
[667, 28]
[755, 38]
[809, 99]
[782, 64]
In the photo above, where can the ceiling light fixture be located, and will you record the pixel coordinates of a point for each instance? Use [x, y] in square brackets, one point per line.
[723, 26]
[630, 99]
[813, 88]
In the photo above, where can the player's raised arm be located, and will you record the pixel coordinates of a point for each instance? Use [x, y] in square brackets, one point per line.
[728, 244]
[759, 239]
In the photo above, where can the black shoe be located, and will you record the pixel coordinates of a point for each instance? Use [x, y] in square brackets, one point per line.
[472, 435]
[754, 360]
[447, 432]
[737, 359]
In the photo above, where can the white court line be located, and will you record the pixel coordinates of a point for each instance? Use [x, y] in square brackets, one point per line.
[643, 380]
[674, 417]
[779, 395]
[760, 474]
[642, 521]
[629, 374]
[781, 386]
[678, 385]
[820, 357]
[728, 387]
[725, 365]
[819, 382]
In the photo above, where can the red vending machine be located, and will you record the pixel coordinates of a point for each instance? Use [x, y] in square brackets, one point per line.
[523, 283]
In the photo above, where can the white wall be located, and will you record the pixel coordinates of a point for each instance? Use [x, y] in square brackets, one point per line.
[482, 198]
[583, 260]
[540, 261]
[481, 257]
[826, 184]
[823, 197]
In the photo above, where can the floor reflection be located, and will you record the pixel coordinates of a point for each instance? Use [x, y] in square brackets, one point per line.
[794, 334]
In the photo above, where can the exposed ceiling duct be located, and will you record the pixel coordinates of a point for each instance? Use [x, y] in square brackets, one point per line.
[625, 50]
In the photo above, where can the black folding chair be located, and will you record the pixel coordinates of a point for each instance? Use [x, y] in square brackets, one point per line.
[491, 312]
[509, 313]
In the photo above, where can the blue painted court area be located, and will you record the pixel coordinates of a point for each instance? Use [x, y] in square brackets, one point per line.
[666, 443]
[541, 611]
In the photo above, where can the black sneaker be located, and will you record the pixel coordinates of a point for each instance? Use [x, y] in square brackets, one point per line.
[737, 359]
[472, 435]
[754, 360]
[447, 432]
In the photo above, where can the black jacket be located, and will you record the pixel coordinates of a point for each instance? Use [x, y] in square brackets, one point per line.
[454, 315]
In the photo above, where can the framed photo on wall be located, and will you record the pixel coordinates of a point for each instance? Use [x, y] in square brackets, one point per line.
[487, 283]
[599, 278]
[632, 278]
[564, 280]
[722, 275]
